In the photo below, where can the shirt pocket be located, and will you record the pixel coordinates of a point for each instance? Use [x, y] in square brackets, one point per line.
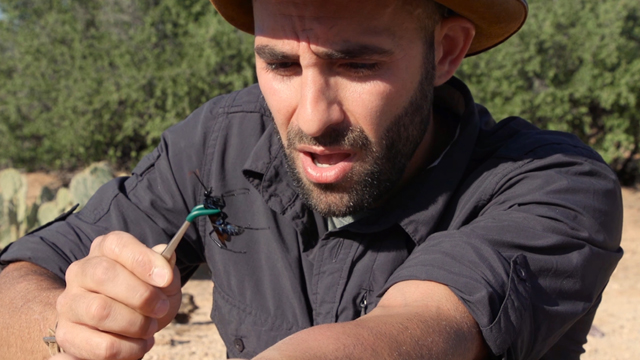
[246, 332]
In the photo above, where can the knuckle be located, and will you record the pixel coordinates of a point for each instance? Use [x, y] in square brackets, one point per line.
[62, 301]
[141, 327]
[102, 271]
[144, 328]
[110, 349]
[141, 260]
[145, 299]
[111, 244]
[99, 310]
[73, 271]
[96, 244]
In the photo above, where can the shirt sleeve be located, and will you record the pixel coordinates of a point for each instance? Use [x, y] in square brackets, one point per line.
[151, 204]
[534, 261]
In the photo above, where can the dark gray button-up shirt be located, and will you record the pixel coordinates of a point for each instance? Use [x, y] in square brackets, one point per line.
[523, 225]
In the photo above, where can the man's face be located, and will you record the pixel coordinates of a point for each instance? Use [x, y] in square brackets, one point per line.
[349, 87]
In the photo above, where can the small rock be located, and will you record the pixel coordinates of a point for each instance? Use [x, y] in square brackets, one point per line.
[175, 342]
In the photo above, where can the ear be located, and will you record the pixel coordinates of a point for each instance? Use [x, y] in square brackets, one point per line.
[453, 37]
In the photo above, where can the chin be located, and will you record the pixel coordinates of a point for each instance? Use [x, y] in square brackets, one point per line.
[330, 204]
[336, 200]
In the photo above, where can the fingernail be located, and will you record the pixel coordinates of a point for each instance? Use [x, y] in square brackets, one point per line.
[159, 276]
[153, 328]
[161, 308]
[150, 342]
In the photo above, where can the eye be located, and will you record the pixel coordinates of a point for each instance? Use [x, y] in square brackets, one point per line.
[361, 68]
[282, 68]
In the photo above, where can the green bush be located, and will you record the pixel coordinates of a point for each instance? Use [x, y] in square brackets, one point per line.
[84, 81]
[574, 66]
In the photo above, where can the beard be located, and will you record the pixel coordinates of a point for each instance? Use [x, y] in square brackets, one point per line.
[385, 161]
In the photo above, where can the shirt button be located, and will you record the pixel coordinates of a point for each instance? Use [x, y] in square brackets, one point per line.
[239, 344]
[521, 273]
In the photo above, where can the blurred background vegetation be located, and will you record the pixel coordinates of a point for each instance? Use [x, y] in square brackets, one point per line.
[575, 67]
[84, 81]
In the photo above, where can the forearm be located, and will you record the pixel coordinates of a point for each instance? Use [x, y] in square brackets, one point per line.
[435, 330]
[28, 295]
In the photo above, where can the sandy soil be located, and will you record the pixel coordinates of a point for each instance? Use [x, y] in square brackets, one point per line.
[616, 331]
[614, 336]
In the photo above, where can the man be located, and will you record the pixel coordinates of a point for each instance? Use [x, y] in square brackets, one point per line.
[388, 215]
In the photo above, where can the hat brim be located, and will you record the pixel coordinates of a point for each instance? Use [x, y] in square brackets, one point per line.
[495, 20]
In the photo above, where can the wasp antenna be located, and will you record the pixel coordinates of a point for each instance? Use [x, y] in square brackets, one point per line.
[197, 175]
[196, 172]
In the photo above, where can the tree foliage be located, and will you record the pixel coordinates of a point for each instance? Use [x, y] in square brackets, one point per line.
[574, 66]
[83, 81]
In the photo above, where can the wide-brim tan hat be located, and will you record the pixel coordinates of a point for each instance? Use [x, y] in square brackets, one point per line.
[495, 20]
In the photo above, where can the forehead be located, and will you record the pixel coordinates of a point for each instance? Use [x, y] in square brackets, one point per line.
[329, 21]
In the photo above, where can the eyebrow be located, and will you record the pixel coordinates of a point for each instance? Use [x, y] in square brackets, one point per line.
[353, 51]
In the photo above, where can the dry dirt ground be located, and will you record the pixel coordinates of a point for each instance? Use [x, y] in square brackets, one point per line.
[615, 335]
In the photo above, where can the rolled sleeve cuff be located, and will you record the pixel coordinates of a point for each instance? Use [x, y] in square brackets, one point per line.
[55, 256]
[494, 288]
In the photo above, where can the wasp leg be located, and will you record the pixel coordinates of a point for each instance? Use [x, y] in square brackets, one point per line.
[222, 245]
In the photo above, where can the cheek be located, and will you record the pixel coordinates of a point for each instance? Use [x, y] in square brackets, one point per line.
[374, 106]
[280, 100]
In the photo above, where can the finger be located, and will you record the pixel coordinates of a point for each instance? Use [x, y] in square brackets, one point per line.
[174, 294]
[175, 287]
[105, 276]
[85, 343]
[105, 314]
[173, 291]
[142, 261]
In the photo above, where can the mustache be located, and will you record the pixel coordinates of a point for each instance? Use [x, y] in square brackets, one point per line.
[348, 137]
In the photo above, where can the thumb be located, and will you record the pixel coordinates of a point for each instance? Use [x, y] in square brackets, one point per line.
[159, 248]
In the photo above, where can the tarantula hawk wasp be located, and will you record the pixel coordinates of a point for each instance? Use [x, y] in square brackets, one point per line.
[223, 229]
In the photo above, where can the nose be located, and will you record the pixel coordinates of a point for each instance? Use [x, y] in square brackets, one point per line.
[319, 106]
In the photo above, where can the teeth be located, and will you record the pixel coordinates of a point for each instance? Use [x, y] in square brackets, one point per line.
[321, 165]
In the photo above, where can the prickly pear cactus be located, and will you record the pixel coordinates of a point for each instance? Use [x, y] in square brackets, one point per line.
[16, 217]
[50, 210]
[4, 224]
[46, 194]
[87, 182]
[47, 212]
[14, 220]
[64, 199]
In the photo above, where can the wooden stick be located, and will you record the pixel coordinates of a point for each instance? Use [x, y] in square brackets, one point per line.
[173, 244]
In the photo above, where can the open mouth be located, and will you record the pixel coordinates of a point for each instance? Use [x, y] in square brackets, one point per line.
[326, 161]
[324, 167]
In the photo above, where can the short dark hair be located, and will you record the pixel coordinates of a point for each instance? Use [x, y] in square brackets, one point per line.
[428, 13]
